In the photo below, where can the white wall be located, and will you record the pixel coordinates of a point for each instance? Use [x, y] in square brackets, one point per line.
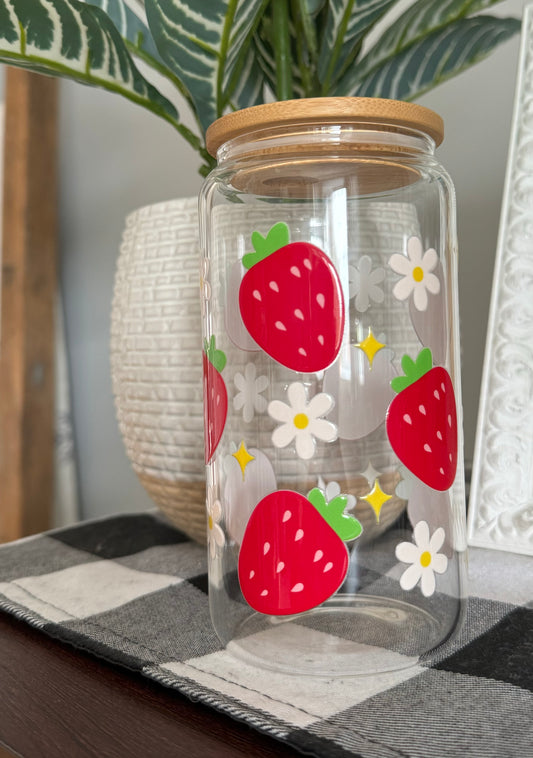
[115, 157]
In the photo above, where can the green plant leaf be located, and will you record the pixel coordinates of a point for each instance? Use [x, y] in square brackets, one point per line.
[431, 60]
[129, 19]
[248, 89]
[78, 41]
[420, 19]
[347, 23]
[204, 42]
[263, 44]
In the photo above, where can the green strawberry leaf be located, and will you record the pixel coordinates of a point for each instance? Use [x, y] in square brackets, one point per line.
[216, 357]
[346, 526]
[413, 369]
[277, 237]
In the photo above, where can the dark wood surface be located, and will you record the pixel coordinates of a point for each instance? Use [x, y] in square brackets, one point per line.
[57, 702]
[28, 291]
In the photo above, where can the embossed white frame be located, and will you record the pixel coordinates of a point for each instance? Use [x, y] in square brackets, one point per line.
[501, 499]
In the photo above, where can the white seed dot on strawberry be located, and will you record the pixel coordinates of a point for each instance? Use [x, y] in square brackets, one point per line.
[295, 271]
[307, 264]
[264, 593]
[280, 567]
[422, 409]
[321, 300]
[443, 387]
[297, 587]
[302, 351]
[286, 516]
[257, 295]
[441, 471]
[449, 420]
[407, 418]
[298, 313]
[273, 286]
[299, 534]
[266, 548]
[320, 338]
[281, 326]
[328, 567]
[427, 448]
[251, 575]
[318, 556]
[450, 457]
[439, 435]
[436, 394]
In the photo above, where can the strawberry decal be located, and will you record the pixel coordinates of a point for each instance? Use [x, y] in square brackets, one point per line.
[293, 555]
[422, 421]
[291, 301]
[215, 397]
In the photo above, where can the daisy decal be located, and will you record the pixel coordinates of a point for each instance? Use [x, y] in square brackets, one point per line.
[249, 397]
[215, 535]
[363, 284]
[424, 558]
[415, 269]
[302, 421]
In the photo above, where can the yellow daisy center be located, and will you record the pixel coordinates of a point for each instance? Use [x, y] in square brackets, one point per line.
[210, 522]
[418, 273]
[425, 559]
[300, 421]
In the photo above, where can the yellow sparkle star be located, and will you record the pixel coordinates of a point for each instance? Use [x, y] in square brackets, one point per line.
[243, 457]
[376, 498]
[370, 346]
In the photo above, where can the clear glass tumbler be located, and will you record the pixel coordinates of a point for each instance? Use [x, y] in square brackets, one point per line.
[333, 438]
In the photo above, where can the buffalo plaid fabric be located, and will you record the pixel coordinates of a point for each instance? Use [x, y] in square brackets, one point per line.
[133, 590]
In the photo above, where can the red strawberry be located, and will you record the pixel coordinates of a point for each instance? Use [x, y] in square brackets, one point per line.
[422, 421]
[215, 398]
[291, 301]
[293, 556]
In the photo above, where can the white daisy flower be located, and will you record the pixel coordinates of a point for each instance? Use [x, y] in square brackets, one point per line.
[424, 558]
[363, 284]
[249, 397]
[301, 420]
[215, 535]
[415, 269]
[205, 287]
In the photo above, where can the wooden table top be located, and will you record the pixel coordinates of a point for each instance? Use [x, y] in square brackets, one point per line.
[58, 701]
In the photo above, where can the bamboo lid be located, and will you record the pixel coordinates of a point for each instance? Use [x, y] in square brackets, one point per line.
[325, 110]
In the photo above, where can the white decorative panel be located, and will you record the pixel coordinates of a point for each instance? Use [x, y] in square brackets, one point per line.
[501, 503]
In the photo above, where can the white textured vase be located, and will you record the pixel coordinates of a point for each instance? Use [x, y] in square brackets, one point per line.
[156, 360]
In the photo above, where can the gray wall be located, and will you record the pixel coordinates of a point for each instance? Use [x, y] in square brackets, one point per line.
[115, 157]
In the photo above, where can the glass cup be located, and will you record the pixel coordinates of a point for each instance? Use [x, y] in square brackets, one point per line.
[333, 437]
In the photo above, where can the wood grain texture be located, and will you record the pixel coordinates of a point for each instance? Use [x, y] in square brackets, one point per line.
[28, 290]
[57, 701]
[323, 110]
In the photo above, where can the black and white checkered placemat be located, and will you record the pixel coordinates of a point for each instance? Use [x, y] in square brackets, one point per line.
[134, 591]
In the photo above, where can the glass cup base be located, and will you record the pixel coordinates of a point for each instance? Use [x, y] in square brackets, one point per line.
[351, 636]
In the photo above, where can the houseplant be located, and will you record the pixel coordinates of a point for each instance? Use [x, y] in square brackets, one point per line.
[228, 54]
[231, 54]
